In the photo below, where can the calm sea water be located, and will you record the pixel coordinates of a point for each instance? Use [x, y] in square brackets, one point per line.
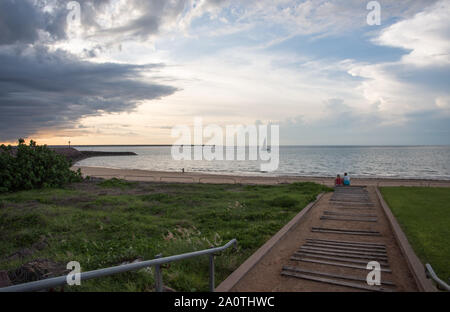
[427, 162]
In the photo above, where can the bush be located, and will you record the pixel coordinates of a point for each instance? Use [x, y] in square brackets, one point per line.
[32, 166]
[283, 201]
[114, 182]
[161, 197]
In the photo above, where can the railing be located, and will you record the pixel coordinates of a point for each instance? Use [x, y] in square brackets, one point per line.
[430, 274]
[62, 280]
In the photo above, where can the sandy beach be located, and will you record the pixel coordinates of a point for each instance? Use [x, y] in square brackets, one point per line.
[196, 177]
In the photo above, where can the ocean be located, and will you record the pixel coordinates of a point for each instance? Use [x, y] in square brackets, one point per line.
[424, 162]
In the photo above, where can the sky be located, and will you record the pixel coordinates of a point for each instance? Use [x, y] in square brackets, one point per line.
[126, 72]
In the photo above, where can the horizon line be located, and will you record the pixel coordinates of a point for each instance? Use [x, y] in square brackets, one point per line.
[284, 145]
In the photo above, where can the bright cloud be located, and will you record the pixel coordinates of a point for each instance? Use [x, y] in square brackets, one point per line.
[397, 88]
[427, 35]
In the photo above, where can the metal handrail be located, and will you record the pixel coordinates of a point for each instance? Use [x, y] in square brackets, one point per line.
[62, 280]
[430, 274]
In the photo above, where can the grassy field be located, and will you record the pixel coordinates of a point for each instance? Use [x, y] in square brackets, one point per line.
[107, 223]
[424, 215]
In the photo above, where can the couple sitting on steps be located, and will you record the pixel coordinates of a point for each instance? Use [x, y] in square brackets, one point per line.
[342, 181]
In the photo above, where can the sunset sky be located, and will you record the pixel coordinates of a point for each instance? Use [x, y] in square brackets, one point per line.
[131, 70]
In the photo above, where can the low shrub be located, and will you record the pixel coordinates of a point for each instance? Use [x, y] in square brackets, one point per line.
[116, 183]
[161, 197]
[33, 166]
[284, 201]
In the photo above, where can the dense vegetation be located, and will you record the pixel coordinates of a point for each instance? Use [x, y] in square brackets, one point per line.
[424, 215]
[102, 224]
[31, 166]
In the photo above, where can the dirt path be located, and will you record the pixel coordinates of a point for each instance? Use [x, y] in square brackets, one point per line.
[293, 263]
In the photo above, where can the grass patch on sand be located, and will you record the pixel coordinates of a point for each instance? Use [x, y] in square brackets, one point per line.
[114, 182]
[424, 215]
[106, 223]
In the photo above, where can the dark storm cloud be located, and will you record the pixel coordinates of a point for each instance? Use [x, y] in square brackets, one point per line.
[45, 90]
[19, 21]
[52, 90]
[27, 21]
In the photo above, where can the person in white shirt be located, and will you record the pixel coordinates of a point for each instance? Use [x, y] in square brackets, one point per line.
[346, 179]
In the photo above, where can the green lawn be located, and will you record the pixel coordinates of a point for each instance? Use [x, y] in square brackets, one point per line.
[424, 215]
[102, 224]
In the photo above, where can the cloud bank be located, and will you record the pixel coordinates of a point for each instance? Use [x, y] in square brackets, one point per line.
[40, 89]
[47, 89]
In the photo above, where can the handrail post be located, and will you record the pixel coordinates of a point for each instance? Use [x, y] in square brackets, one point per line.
[211, 273]
[158, 276]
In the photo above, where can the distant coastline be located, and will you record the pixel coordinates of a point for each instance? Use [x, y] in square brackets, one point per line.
[75, 155]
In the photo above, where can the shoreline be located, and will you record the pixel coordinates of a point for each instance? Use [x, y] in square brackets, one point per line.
[199, 177]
